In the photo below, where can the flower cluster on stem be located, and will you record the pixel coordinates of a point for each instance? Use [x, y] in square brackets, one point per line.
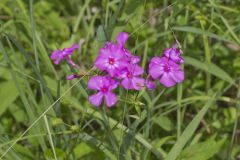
[120, 68]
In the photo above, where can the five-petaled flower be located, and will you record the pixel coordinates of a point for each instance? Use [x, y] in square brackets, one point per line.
[111, 59]
[131, 77]
[65, 53]
[166, 70]
[104, 85]
[114, 57]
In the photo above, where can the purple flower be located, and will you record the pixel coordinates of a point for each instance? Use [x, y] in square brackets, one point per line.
[131, 77]
[104, 85]
[150, 84]
[174, 54]
[166, 70]
[66, 53]
[111, 59]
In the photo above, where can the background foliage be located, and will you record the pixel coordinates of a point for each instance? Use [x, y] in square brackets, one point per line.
[42, 116]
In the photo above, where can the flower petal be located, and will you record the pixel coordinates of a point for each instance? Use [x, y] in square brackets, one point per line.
[117, 52]
[174, 54]
[134, 59]
[96, 99]
[122, 73]
[112, 71]
[150, 84]
[57, 61]
[177, 76]
[100, 63]
[56, 54]
[110, 99]
[156, 71]
[72, 76]
[137, 70]
[168, 52]
[71, 49]
[155, 60]
[95, 83]
[175, 66]
[127, 83]
[106, 49]
[158, 61]
[70, 61]
[167, 81]
[113, 84]
[138, 83]
[181, 60]
[75, 46]
[122, 38]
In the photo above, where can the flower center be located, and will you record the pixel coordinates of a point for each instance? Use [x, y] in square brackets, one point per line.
[129, 75]
[111, 61]
[166, 68]
[104, 89]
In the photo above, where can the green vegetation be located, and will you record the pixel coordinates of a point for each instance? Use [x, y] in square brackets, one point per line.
[44, 116]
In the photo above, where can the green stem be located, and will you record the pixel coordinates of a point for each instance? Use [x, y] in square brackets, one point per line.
[179, 99]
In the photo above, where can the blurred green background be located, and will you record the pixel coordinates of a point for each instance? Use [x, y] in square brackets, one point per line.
[40, 118]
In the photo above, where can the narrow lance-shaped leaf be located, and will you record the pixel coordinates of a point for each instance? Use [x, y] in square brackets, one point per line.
[210, 68]
[188, 132]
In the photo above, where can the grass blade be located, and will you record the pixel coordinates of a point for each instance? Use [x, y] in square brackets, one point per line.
[188, 132]
[50, 137]
[210, 68]
[200, 32]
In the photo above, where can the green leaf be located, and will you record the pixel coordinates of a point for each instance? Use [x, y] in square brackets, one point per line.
[159, 142]
[200, 32]
[164, 122]
[133, 5]
[210, 68]
[82, 149]
[101, 35]
[18, 113]
[49, 155]
[24, 151]
[9, 94]
[188, 132]
[201, 151]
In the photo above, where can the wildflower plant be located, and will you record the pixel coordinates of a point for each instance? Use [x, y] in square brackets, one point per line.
[119, 67]
[66, 53]
[125, 96]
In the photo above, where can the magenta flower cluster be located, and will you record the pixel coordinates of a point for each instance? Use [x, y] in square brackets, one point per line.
[119, 67]
[167, 68]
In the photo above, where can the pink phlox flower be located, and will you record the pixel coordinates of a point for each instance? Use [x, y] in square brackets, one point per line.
[66, 53]
[166, 70]
[104, 85]
[174, 54]
[131, 77]
[111, 59]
